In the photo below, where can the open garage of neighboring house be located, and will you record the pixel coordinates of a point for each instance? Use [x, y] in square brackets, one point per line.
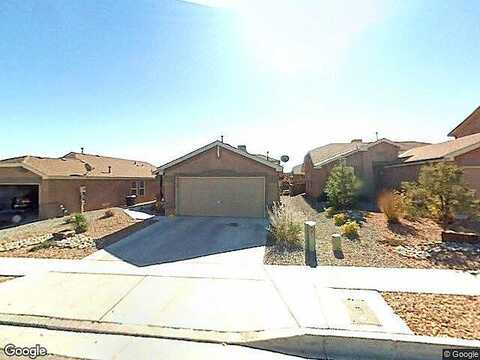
[220, 180]
[18, 203]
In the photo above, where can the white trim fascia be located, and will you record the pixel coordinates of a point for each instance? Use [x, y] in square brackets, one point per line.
[161, 169]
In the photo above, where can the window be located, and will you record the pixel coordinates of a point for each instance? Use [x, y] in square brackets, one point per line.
[141, 188]
[137, 188]
[134, 189]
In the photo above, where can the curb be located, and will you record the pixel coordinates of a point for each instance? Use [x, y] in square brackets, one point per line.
[303, 342]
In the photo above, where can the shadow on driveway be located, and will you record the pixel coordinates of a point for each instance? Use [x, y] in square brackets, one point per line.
[181, 238]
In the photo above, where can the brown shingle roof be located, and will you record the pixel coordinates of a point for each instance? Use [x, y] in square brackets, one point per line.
[324, 153]
[407, 145]
[91, 166]
[442, 150]
[119, 167]
[327, 153]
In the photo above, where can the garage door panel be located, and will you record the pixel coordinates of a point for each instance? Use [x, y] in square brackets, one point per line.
[221, 196]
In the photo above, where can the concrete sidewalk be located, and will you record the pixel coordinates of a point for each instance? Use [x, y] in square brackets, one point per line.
[218, 303]
[218, 266]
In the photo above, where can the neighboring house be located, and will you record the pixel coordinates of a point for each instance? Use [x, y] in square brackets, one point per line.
[463, 151]
[220, 180]
[297, 180]
[76, 181]
[365, 157]
[469, 126]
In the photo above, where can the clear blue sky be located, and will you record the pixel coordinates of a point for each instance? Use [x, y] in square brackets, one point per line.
[152, 80]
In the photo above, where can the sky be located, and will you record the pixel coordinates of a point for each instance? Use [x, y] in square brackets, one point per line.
[153, 80]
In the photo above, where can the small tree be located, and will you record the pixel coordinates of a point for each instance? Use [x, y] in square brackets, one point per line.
[342, 187]
[441, 192]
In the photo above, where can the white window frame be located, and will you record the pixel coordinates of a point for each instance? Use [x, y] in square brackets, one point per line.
[138, 188]
[141, 187]
[134, 188]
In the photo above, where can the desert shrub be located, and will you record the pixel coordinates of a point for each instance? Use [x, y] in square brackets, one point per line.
[342, 187]
[392, 205]
[340, 219]
[350, 229]
[109, 213]
[440, 193]
[286, 227]
[330, 212]
[80, 223]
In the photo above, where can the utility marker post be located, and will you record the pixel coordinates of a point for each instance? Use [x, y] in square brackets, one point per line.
[310, 244]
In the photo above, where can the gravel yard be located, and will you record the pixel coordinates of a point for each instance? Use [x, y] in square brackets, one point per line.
[34, 239]
[406, 245]
[438, 315]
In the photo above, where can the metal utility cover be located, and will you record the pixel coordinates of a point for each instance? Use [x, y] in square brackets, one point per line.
[360, 313]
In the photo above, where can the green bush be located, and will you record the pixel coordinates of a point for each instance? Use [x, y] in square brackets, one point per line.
[80, 223]
[340, 219]
[393, 206]
[350, 229]
[330, 212]
[285, 228]
[342, 187]
[440, 193]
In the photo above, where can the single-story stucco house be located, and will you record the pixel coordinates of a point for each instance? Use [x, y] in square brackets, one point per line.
[220, 180]
[365, 157]
[464, 151]
[297, 180]
[76, 181]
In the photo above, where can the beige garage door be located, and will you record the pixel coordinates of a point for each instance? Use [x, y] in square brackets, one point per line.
[221, 196]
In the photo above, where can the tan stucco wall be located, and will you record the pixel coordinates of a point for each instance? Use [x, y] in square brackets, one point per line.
[100, 194]
[229, 164]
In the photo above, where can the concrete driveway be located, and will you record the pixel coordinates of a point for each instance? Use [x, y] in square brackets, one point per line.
[198, 239]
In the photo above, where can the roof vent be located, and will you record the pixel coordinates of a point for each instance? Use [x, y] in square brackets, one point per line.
[109, 169]
[82, 149]
[242, 147]
[354, 141]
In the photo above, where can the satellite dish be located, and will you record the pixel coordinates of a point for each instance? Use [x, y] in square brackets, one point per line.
[284, 158]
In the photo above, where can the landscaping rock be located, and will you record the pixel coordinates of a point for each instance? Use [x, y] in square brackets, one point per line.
[64, 234]
[450, 235]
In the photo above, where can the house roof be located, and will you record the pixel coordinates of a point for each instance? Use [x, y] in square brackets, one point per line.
[407, 145]
[218, 143]
[444, 150]
[472, 117]
[298, 170]
[334, 151]
[82, 165]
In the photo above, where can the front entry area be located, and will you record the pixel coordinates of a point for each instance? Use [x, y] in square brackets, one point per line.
[221, 196]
